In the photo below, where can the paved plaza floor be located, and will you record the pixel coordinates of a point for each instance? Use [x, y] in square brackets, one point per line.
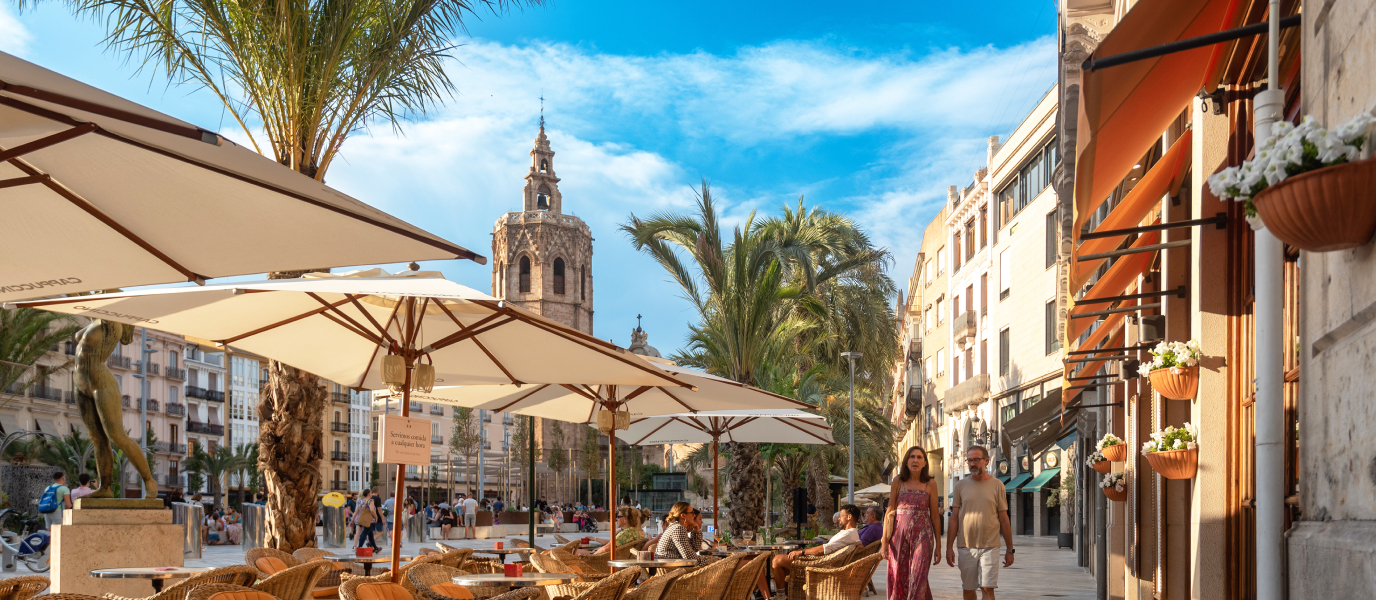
[1040, 571]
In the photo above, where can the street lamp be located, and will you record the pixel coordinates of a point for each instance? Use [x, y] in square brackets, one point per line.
[850, 474]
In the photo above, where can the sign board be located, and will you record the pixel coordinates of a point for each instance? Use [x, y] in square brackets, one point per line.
[403, 440]
[333, 500]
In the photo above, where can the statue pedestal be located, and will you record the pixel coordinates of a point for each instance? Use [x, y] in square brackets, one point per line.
[104, 538]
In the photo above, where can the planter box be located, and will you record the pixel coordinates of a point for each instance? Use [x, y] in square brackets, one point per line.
[1175, 464]
[1103, 466]
[1115, 495]
[1333, 208]
[1117, 453]
[1176, 386]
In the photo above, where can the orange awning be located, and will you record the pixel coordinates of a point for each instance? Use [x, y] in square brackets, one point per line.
[1127, 107]
[1122, 275]
[1164, 175]
[1111, 325]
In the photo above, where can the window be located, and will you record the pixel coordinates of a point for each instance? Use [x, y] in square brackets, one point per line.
[929, 320]
[583, 282]
[1005, 362]
[970, 297]
[542, 198]
[559, 276]
[172, 394]
[984, 294]
[1050, 239]
[1029, 182]
[969, 239]
[525, 275]
[1053, 342]
[941, 361]
[983, 357]
[931, 369]
[938, 311]
[955, 369]
[1005, 274]
[955, 307]
[930, 272]
[970, 362]
[940, 258]
[544, 166]
[172, 359]
[955, 256]
[1029, 401]
[1009, 412]
[983, 226]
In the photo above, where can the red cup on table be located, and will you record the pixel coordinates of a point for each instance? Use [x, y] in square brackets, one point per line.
[586, 540]
[364, 552]
[512, 570]
[501, 545]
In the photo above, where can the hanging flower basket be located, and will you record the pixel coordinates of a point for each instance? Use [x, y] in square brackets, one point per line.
[1115, 494]
[1333, 208]
[1176, 383]
[1116, 453]
[1104, 466]
[1175, 464]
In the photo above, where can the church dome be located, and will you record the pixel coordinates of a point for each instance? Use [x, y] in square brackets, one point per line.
[639, 344]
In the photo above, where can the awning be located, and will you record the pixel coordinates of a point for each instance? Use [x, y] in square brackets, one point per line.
[1128, 106]
[971, 392]
[1119, 277]
[1110, 325]
[1019, 479]
[9, 423]
[1005, 479]
[1041, 412]
[1164, 175]
[1066, 441]
[1042, 479]
[1046, 439]
[47, 426]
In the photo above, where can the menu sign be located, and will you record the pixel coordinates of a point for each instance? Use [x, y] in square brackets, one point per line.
[403, 440]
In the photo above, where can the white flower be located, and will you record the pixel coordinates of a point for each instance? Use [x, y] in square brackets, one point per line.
[1191, 445]
[1354, 128]
[1275, 172]
[1144, 370]
[1120, 487]
[1220, 182]
[1251, 176]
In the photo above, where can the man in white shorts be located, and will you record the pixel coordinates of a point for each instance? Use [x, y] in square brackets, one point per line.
[470, 517]
[979, 515]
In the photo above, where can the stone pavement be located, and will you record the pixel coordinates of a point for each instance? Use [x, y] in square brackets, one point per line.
[1040, 571]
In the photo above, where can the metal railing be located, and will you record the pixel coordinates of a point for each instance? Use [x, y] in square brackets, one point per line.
[340, 427]
[46, 393]
[436, 409]
[204, 394]
[487, 417]
[339, 455]
[507, 420]
[153, 368]
[415, 406]
[152, 405]
[176, 373]
[436, 439]
[339, 486]
[172, 480]
[176, 410]
[176, 448]
[340, 397]
[70, 397]
[210, 428]
[118, 362]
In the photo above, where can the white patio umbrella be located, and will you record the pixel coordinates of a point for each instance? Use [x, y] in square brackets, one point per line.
[341, 326]
[580, 403]
[780, 426]
[874, 491]
[98, 192]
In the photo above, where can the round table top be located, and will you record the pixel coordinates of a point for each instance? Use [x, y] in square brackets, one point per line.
[503, 551]
[374, 559]
[655, 563]
[522, 580]
[148, 572]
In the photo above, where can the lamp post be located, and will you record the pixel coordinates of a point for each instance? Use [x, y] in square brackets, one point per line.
[850, 442]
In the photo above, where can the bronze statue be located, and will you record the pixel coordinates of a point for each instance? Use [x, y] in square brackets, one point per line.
[98, 399]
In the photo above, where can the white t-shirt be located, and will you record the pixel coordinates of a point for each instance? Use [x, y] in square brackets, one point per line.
[470, 506]
[843, 538]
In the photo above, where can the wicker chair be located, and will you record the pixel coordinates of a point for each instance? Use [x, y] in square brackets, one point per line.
[425, 578]
[69, 596]
[797, 577]
[578, 564]
[868, 549]
[598, 562]
[23, 587]
[300, 581]
[744, 579]
[706, 583]
[457, 558]
[612, 588]
[332, 578]
[349, 589]
[653, 588]
[238, 592]
[561, 539]
[235, 575]
[520, 543]
[261, 559]
[841, 583]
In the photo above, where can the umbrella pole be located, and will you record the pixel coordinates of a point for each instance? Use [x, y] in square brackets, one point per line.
[613, 507]
[530, 481]
[716, 489]
[401, 483]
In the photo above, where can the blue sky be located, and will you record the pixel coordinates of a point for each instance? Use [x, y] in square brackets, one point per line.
[870, 109]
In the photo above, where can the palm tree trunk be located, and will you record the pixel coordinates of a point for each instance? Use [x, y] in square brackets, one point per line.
[746, 494]
[819, 489]
[291, 412]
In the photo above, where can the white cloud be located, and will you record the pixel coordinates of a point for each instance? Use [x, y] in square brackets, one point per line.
[14, 37]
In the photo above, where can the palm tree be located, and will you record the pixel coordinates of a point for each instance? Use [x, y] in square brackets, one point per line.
[307, 75]
[67, 453]
[214, 465]
[26, 335]
[245, 459]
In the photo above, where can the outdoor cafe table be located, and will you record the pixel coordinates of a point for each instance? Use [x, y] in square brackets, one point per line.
[522, 580]
[156, 574]
[366, 561]
[502, 552]
[653, 564]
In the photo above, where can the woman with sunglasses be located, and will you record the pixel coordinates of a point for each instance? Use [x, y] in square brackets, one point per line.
[683, 537]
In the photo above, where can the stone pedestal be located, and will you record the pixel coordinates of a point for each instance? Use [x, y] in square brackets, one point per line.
[104, 538]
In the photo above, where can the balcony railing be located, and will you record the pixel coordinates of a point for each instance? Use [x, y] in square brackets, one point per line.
[70, 397]
[176, 373]
[436, 409]
[413, 476]
[176, 410]
[210, 428]
[436, 439]
[209, 359]
[506, 420]
[172, 480]
[415, 407]
[176, 448]
[339, 455]
[965, 326]
[487, 417]
[339, 486]
[339, 427]
[153, 368]
[46, 393]
[200, 392]
[118, 362]
[340, 397]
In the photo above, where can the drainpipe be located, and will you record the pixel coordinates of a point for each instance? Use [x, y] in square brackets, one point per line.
[1270, 408]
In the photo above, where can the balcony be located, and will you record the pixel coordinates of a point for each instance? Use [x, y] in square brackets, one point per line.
[176, 410]
[201, 357]
[169, 447]
[208, 428]
[506, 420]
[46, 393]
[339, 486]
[172, 480]
[152, 405]
[487, 417]
[339, 455]
[436, 439]
[436, 409]
[70, 397]
[339, 427]
[415, 407]
[965, 326]
[176, 373]
[204, 394]
[118, 362]
[971, 392]
[413, 476]
[153, 368]
[340, 397]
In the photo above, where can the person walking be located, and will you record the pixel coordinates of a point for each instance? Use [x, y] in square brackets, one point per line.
[364, 518]
[497, 507]
[470, 518]
[55, 499]
[910, 537]
[979, 515]
[85, 480]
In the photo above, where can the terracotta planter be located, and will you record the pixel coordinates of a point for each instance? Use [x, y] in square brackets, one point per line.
[1104, 466]
[1117, 453]
[1115, 495]
[1176, 386]
[1175, 464]
[1333, 208]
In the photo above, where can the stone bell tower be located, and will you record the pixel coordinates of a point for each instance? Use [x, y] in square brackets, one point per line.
[542, 258]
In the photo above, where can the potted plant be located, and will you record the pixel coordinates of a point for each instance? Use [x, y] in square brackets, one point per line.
[1174, 453]
[1314, 189]
[1097, 462]
[1174, 369]
[1113, 448]
[1115, 487]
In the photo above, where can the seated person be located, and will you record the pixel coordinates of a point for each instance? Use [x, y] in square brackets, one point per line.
[848, 518]
[627, 530]
[873, 528]
[683, 537]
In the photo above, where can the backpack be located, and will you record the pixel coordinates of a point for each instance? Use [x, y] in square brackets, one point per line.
[49, 501]
[365, 516]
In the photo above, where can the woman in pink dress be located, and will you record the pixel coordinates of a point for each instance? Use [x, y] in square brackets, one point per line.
[910, 539]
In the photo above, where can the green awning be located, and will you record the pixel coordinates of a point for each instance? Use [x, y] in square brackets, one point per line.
[1041, 480]
[1018, 480]
[1004, 479]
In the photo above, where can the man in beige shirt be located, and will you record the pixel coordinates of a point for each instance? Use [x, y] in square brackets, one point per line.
[979, 515]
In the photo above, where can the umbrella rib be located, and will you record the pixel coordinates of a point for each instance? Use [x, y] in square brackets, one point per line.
[656, 430]
[459, 252]
[286, 321]
[90, 209]
[194, 133]
[18, 181]
[348, 327]
[640, 390]
[824, 440]
[685, 404]
[44, 142]
[575, 390]
[380, 329]
[477, 328]
[480, 345]
[518, 400]
[356, 326]
[741, 422]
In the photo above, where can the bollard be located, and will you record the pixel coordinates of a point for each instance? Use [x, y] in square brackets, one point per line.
[189, 516]
[336, 530]
[416, 527]
[255, 526]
